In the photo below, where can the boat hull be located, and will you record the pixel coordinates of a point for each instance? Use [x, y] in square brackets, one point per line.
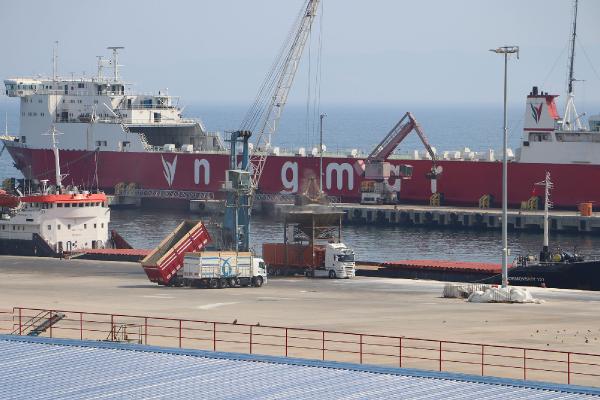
[462, 183]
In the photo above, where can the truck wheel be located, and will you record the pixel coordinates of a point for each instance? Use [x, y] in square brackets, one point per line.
[213, 284]
[234, 282]
[222, 283]
[331, 274]
[258, 281]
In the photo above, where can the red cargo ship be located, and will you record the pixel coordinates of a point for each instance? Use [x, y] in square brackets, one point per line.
[142, 146]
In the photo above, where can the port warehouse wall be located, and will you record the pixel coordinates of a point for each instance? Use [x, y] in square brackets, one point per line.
[460, 218]
[482, 359]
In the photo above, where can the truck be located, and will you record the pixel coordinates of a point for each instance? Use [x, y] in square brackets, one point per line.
[221, 269]
[163, 263]
[331, 260]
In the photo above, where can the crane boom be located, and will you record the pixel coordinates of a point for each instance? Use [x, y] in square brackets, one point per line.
[398, 133]
[283, 76]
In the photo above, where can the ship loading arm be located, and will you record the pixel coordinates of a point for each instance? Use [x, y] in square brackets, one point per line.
[376, 169]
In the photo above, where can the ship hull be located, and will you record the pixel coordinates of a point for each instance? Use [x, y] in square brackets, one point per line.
[583, 275]
[462, 183]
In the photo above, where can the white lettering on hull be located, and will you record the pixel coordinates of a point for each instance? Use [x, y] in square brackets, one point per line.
[339, 169]
[290, 184]
[197, 165]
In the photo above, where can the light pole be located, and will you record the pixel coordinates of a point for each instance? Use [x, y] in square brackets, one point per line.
[321, 151]
[506, 50]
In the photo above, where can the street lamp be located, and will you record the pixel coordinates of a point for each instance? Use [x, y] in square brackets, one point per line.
[506, 50]
[321, 151]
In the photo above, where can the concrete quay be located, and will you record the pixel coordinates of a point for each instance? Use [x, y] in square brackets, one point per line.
[462, 217]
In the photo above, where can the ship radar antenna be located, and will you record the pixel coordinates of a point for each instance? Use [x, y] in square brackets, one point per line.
[53, 132]
[571, 118]
[115, 60]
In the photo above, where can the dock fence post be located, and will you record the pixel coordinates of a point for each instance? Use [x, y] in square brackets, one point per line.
[146, 330]
[50, 325]
[361, 348]
[440, 355]
[524, 364]
[482, 361]
[20, 322]
[80, 326]
[400, 352]
[569, 368]
[179, 333]
[286, 342]
[214, 336]
[250, 339]
[323, 346]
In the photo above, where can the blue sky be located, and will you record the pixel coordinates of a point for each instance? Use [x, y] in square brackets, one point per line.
[375, 52]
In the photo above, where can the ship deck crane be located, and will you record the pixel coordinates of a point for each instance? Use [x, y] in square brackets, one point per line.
[376, 169]
[241, 183]
[271, 99]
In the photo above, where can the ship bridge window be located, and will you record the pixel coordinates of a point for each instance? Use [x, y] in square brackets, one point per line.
[80, 85]
[67, 205]
[59, 204]
[49, 227]
[81, 204]
[539, 137]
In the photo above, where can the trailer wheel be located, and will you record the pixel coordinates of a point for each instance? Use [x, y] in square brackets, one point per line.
[213, 284]
[258, 281]
[331, 274]
[234, 282]
[222, 283]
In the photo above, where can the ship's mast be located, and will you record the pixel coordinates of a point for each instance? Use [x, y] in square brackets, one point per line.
[115, 61]
[571, 117]
[57, 175]
[54, 59]
[547, 183]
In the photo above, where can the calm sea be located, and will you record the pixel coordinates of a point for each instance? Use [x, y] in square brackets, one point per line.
[448, 128]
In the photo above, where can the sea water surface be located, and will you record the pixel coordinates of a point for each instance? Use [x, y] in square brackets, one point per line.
[362, 127]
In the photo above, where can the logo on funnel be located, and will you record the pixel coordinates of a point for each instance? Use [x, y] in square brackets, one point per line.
[536, 112]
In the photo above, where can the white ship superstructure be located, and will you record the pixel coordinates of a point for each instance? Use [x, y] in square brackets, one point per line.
[97, 113]
[53, 220]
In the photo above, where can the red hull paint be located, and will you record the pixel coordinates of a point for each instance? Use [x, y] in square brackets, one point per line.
[462, 182]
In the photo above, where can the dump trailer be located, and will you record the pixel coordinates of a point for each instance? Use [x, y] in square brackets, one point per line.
[162, 264]
[332, 260]
[221, 269]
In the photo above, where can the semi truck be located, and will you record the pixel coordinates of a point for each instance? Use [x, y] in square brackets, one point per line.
[331, 260]
[221, 269]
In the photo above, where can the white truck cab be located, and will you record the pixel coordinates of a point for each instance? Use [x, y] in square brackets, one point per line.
[339, 262]
[259, 269]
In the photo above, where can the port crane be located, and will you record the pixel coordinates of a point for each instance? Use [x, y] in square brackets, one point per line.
[376, 170]
[242, 180]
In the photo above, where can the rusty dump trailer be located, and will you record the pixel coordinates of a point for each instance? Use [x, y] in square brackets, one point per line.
[162, 264]
[285, 259]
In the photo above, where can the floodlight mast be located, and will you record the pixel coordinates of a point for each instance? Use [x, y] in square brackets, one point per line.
[506, 50]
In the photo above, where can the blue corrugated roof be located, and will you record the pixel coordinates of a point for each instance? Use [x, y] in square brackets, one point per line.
[44, 368]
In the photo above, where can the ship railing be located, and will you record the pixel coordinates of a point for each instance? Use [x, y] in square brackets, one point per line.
[171, 194]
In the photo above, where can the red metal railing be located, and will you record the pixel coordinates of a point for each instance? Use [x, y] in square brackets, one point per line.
[399, 351]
